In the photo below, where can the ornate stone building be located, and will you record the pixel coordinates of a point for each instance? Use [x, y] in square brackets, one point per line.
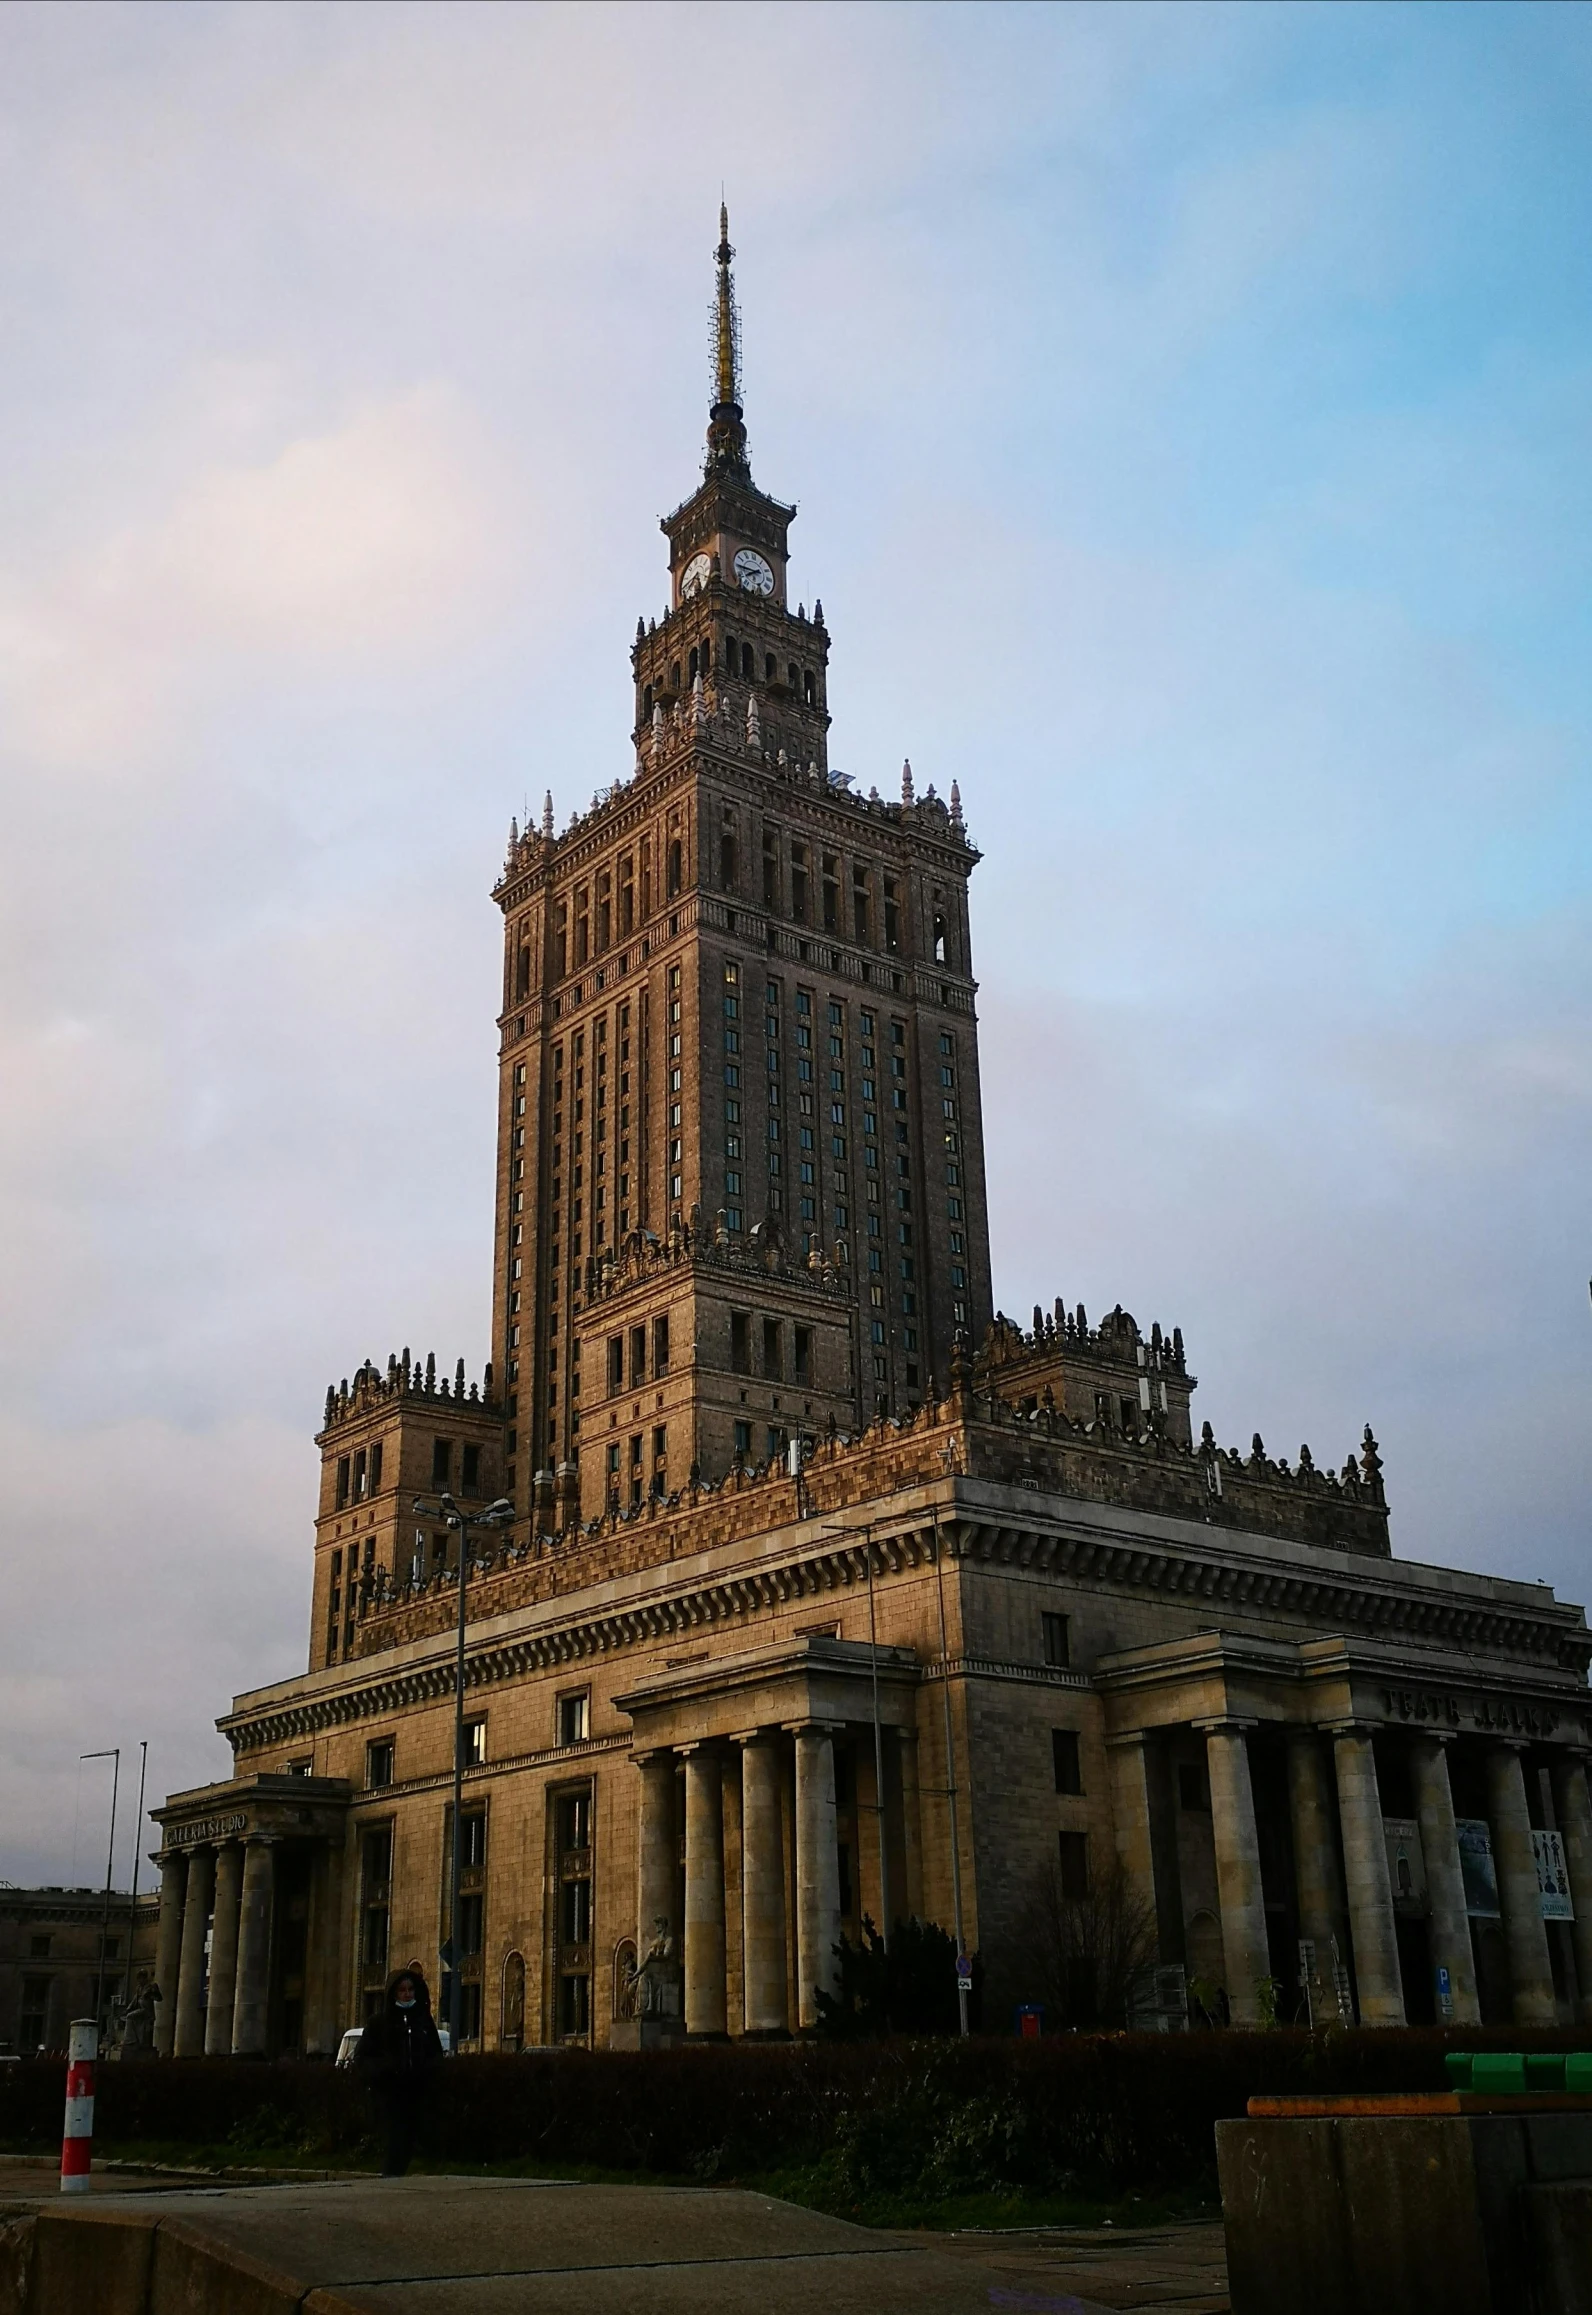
[806, 1611]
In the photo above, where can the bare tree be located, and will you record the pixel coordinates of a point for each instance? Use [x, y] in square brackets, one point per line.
[1084, 1951]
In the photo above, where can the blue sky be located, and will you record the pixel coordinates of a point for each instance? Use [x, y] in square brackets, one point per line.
[1188, 413]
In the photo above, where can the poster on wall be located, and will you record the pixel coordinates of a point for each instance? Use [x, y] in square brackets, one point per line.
[1406, 1865]
[1476, 1865]
[1553, 1882]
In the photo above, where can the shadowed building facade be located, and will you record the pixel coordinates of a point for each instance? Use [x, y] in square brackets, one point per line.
[776, 1519]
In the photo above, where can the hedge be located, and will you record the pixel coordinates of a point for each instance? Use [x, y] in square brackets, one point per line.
[1109, 2112]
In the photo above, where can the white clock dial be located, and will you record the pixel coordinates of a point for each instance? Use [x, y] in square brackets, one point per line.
[696, 574]
[754, 574]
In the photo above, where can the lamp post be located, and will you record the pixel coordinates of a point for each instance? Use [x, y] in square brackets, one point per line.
[498, 1514]
[112, 1753]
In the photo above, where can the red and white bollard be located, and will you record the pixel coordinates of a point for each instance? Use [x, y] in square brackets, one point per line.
[77, 2138]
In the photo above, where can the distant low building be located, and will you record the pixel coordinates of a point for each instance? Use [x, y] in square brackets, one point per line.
[52, 1967]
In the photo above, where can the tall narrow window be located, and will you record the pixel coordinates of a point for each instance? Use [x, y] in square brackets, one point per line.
[859, 904]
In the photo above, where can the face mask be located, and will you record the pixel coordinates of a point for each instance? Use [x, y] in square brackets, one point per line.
[406, 2001]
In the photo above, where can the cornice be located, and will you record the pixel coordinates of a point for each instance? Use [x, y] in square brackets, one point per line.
[1196, 1567]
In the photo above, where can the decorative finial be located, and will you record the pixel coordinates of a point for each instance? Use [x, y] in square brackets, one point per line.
[547, 816]
[956, 805]
[906, 781]
[726, 434]
[726, 321]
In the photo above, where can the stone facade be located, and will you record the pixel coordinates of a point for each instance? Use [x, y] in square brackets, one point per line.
[60, 1951]
[799, 1611]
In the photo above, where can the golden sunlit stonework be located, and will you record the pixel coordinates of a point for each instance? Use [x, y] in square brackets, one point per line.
[829, 1594]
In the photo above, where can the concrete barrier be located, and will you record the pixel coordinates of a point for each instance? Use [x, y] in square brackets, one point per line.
[1343, 2211]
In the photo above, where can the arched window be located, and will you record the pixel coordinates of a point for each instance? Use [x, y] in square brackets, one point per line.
[674, 675]
[732, 655]
[795, 676]
[770, 669]
[809, 688]
[522, 971]
[727, 853]
[694, 665]
[939, 940]
[674, 866]
[512, 2034]
[646, 705]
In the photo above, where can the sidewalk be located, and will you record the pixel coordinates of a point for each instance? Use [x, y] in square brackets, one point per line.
[449, 2246]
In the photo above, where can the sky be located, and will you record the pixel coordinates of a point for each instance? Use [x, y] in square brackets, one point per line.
[1188, 410]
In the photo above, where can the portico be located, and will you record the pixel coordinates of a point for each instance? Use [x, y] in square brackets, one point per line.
[1422, 1845]
[250, 1888]
[739, 1828]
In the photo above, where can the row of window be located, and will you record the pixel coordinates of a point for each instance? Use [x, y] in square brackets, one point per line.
[859, 901]
[571, 1725]
[740, 663]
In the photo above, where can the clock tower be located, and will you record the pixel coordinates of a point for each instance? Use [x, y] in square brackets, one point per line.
[731, 622]
[740, 1153]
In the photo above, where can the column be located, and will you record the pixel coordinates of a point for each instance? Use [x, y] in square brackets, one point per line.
[168, 1948]
[655, 1847]
[817, 1869]
[249, 2009]
[911, 1822]
[1530, 1970]
[1376, 1948]
[1133, 1813]
[1448, 1922]
[224, 1953]
[1573, 1807]
[734, 1940]
[762, 1886]
[1245, 1952]
[704, 1895]
[189, 2041]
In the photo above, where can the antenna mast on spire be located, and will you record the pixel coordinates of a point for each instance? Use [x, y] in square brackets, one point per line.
[726, 324]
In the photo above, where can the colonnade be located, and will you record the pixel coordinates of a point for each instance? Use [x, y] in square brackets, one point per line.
[233, 1881]
[1340, 1761]
[752, 1768]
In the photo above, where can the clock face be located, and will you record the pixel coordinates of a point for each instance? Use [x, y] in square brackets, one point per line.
[696, 574]
[754, 574]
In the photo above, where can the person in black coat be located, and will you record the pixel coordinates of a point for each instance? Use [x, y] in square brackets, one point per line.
[399, 2053]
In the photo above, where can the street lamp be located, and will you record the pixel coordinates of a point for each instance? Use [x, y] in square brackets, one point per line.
[498, 1514]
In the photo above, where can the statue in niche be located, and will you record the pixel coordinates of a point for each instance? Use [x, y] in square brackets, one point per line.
[657, 1980]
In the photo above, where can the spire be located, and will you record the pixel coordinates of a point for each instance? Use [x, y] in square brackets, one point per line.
[726, 434]
[547, 817]
[726, 323]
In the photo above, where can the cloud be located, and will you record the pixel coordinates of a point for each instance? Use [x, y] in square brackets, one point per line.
[332, 552]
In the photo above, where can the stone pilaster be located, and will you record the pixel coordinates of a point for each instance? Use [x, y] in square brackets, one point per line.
[1376, 1951]
[762, 1886]
[251, 2005]
[1573, 1806]
[168, 1948]
[1245, 1952]
[1530, 1970]
[224, 1952]
[190, 2035]
[911, 1821]
[817, 1869]
[1448, 1922]
[704, 1895]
